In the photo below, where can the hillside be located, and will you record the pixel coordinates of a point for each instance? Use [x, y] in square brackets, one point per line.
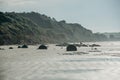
[31, 28]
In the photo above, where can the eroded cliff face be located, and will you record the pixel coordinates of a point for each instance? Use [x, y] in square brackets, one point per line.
[31, 28]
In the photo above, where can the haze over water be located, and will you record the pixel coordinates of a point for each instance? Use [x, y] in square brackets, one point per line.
[58, 64]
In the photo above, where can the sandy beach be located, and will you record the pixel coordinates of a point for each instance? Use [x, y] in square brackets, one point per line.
[56, 63]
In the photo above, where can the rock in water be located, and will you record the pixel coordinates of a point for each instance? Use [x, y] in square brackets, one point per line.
[71, 48]
[19, 47]
[24, 46]
[42, 47]
[10, 47]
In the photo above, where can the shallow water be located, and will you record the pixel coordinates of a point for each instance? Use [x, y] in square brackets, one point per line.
[51, 64]
[94, 60]
[75, 70]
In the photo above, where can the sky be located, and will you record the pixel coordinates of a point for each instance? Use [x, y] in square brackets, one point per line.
[96, 15]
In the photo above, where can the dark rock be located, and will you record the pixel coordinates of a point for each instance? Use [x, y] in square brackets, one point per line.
[10, 47]
[19, 47]
[24, 46]
[94, 45]
[71, 48]
[42, 47]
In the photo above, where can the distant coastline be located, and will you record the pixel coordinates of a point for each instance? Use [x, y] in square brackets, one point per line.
[35, 28]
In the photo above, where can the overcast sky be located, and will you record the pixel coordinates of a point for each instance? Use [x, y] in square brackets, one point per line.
[96, 15]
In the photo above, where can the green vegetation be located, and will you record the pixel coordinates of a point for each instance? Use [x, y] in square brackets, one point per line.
[32, 28]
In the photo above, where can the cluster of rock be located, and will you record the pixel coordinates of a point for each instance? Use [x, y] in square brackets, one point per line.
[69, 47]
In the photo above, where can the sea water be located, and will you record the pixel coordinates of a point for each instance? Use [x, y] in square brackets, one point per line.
[53, 64]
